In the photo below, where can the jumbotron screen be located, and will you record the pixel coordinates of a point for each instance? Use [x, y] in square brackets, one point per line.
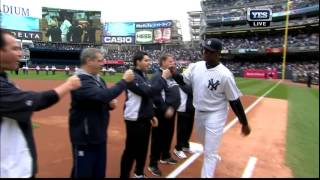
[73, 26]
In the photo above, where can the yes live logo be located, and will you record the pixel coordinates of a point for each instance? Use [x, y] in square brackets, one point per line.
[259, 17]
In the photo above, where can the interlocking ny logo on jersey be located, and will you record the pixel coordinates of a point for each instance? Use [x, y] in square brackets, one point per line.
[213, 85]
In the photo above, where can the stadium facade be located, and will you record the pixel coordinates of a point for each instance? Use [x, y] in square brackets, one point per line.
[227, 20]
[194, 26]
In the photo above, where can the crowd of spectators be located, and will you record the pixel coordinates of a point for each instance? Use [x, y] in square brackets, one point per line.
[298, 70]
[214, 14]
[276, 5]
[269, 41]
[183, 54]
[63, 46]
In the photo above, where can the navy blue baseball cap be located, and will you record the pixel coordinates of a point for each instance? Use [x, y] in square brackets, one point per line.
[212, 44]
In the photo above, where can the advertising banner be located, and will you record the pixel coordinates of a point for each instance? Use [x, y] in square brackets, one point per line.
[144, 36]
[119, 29]
[75, 26]
[224, 51]
[260, 73]
[274, 50]
[154, 24]
[21, 18]
[162, 35]
[114, 62]
[118, 40]
[27, 35]
[21, 8]
[19, 23]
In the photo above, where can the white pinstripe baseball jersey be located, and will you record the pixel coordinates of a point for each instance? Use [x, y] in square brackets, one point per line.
[212, 88]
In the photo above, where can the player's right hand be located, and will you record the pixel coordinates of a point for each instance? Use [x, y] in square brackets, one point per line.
[128, 76]
[73, 82]
[245, 130]
[166, 74]
[169, 112]
[173, 70]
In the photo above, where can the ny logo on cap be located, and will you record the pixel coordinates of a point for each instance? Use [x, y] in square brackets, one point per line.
[209, 42]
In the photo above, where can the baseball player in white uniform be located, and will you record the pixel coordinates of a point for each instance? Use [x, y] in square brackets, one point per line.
[213, 87]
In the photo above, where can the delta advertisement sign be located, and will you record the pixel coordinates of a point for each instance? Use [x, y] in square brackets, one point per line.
[21, 18]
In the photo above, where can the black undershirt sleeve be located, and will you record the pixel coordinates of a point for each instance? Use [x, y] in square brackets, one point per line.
[238, 110]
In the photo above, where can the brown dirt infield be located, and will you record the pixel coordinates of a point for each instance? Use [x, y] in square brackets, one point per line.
[267, 141]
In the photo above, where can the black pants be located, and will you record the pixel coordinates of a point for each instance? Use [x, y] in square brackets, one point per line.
[309, 83]
[184, 129]
[161, 139]
[89, 161]
[137, 143]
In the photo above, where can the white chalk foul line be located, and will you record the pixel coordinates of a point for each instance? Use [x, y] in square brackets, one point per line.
[184, 165]
[235, 120]
[247, 173]
[192, 158]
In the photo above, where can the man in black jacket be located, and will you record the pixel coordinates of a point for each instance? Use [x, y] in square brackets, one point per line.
[18, 157]
[166, 103]
[54, 32]
[89, 115]
[138, 112]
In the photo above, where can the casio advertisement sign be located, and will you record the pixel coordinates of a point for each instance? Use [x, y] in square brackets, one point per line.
[118, 40]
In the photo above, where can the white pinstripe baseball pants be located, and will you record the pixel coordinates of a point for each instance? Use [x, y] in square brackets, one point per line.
[209, 129]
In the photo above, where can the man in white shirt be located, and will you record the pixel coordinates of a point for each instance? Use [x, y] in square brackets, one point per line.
[67, 70]
[213, 87]
[47, 70]
[37, 69]
[53, 69]
[65, 29]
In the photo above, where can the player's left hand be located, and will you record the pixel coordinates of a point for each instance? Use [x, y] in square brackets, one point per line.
[113, 104]
[245, 130]
[154, 122]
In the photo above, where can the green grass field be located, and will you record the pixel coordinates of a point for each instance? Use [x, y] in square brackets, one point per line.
[302, 147]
